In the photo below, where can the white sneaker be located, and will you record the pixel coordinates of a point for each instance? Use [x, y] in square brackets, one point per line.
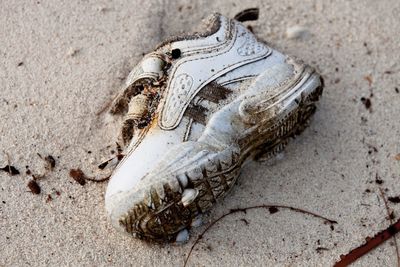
[196, 109]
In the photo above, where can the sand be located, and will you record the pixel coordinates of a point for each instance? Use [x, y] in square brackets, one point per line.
[62, 61]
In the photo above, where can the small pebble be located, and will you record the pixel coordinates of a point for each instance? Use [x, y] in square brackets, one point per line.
[182, 237]
[297, 32]
[72, 52]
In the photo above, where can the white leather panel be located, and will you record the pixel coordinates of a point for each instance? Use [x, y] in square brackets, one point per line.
[191, 73]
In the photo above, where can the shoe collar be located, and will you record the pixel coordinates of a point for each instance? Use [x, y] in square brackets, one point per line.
[201, 61]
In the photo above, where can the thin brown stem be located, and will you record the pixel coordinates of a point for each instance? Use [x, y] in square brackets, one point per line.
[232, 211]
[98, 180]
[372, 243]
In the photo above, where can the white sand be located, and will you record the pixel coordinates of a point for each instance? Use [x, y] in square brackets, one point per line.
[75, 56]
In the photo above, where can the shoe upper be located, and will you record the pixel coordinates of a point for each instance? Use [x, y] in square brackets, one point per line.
[186, 103]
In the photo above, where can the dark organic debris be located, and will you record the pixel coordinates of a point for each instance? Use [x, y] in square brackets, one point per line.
[372, 149]
[244, 210]
[37, 177]
[247, 14]
[51, 162]
[378, 179]
[364, 120]
[369, 52]
[367, 102]
[320, 249]
[112, 161]
[34, 187]
[368, 78]
[273, 210]
[396, 89]
[371, 243]
[103, 165]
[78, 175]
[20, 64]
[119, 148]
[10, 170]
[394, 199]
[98, 180]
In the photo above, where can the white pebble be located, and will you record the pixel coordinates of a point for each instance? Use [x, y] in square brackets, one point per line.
[188, 196]
[182, 237]
[297, 32]
[198, 221]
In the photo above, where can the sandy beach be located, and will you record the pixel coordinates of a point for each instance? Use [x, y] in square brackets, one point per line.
[61, 62]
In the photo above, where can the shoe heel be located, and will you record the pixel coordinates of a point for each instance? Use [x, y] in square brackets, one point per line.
[292, 124]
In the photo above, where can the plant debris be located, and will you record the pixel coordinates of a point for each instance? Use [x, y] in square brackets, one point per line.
[50, 161]
[10, 170]
[394, 199]
[397, 157]
[368, 78]
[34, 187]
[367, 102]
[378, 179]
[28, 171]
[247, 14]
[113, 161]
[273, 210]
[244, 210]
[371, 149]
[78, 175]
[320, 249]
[371, 243]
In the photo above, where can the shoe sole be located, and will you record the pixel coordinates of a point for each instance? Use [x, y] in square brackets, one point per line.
[168, 216]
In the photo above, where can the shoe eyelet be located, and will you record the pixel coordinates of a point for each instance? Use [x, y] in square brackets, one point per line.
[176, 53]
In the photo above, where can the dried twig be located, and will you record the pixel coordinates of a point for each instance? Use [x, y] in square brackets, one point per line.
[371, 243]
[269, 207]
[389, 213]
[375, 241]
